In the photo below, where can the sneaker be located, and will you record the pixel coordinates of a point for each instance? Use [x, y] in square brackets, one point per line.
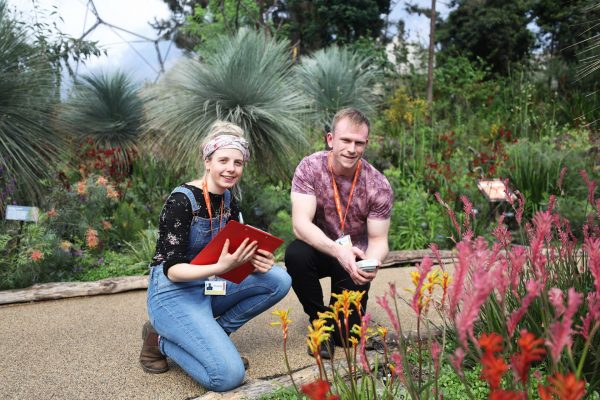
[326, 349]
[151, 359]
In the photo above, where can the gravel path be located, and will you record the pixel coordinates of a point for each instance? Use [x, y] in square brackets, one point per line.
[87, 347]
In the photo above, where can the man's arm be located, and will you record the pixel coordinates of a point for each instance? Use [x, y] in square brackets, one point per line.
[378, 247]
[304, 207]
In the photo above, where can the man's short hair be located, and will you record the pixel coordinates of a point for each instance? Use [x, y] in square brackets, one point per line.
[356, 116]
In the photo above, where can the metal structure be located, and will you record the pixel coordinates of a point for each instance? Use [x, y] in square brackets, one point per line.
[91, 7]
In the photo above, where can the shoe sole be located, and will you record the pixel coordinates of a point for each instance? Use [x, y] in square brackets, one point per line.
[154, 371]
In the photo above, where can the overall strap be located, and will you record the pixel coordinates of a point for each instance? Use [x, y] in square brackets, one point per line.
[227, 195]
[190, 196]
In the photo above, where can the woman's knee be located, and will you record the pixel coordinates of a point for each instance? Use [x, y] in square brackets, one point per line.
[280, 282]
[229, 375]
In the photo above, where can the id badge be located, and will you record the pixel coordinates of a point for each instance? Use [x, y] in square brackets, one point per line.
[344, 241]
[215, 288]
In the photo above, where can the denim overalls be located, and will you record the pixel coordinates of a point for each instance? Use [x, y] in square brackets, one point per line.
[194, 329]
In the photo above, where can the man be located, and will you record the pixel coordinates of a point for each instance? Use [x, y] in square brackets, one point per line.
[341, 208]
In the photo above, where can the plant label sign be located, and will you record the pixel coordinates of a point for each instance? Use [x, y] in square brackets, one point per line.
[22, 213]
[494, 190]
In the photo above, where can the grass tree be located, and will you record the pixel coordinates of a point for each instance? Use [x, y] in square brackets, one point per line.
[106, 108]
[249, 81]
[334, 78]
[29, 149]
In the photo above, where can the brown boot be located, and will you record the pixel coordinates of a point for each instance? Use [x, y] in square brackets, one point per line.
[152, 360]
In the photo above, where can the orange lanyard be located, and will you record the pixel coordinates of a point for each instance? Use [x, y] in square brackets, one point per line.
[208, 207]
[336, 193]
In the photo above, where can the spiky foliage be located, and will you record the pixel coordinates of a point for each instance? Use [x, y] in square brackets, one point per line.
[249, 82]
[590, 55]
[29, 149]
[335, 78]
[106, 108]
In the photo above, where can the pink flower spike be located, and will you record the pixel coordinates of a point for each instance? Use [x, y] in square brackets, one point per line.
[556, 299]
[592, 247]
[521, 208]
[364, 323]
[551, 203]
[593, 303]
[423, 269]
[591, 186]
[450, 213]
[383, 302]
[555, 295]
[456, 360]
[399, 368]
[436, 253]
[517, 257]
[435, 354]
[468, 210]
[561, 178]
[533, 290]
[561, 331]
[456, 290]
[510, 197]
[501, 233]
[584, 331]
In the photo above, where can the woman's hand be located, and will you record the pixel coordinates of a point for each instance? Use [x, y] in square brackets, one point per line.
[243, 254]
[262, 260]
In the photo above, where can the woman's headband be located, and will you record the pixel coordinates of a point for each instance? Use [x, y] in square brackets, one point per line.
[226, 142]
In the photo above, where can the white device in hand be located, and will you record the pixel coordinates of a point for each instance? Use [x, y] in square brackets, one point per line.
[368, 265]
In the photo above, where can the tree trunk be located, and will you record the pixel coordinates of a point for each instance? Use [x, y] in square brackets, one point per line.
[430, 59]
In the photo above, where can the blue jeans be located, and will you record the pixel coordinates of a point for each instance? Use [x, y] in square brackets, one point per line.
[194, 328]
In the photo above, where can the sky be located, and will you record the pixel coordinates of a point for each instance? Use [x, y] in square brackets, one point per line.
[138, 57]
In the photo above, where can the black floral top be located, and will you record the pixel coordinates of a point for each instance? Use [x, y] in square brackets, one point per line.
[174, 225]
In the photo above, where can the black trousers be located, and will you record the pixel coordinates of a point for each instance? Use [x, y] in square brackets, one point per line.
[306, 265]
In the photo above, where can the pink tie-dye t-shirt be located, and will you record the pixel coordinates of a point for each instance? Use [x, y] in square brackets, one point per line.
[372, 199]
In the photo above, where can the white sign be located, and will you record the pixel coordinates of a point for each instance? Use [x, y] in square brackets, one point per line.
[494, 190]
[22, 213]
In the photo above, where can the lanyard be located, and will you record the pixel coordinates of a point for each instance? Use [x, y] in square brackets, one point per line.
[209, 208]
[336, 193]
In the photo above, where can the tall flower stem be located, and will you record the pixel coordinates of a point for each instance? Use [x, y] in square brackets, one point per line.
[287, 364]
[588, 342]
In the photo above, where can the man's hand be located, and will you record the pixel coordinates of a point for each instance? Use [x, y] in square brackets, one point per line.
[346, 256]
[262, 260]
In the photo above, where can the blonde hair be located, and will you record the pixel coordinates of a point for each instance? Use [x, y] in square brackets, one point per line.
[219, 128]
[355, 116]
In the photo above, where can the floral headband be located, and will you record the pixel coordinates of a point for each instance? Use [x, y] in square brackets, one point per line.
[226, 142]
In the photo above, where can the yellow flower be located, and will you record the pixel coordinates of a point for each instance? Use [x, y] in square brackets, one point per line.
[318, 332]
[283, 320]
[65, 245]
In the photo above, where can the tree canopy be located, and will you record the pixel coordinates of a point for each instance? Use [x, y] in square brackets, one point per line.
[308, 24]
[493, 30]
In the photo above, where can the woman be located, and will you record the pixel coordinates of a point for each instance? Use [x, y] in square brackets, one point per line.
[186, 323]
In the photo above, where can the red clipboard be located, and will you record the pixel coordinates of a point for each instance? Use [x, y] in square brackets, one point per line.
[236, 233]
